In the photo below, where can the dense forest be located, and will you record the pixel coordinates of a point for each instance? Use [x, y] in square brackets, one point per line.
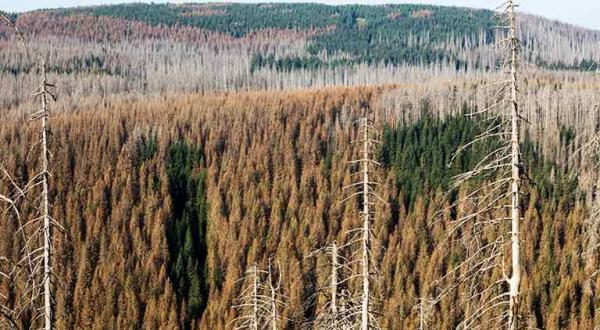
[392, 34]
[162, 217]
[193, 146]
[382, 30]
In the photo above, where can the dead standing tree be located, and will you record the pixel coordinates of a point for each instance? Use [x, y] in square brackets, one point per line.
[39, 230]
[259, 302]
[489, 216]
[364, 313]
[251, 306]
[46, 223]
[424, 310]
[333, 315]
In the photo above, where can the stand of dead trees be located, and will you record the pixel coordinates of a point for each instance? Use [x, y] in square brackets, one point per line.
[345, 308]
[133, 56]
[333, 314]
[260, 300]
[588, 155]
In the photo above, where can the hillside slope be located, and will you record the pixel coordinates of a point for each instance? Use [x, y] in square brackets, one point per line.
[153, 49]
[392, 34]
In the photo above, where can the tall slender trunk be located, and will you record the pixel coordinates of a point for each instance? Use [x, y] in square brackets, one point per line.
[45, 207]
[273, 311]
[334, 284]
[273, 300]
[515, 278]
[364, 323]
[254, 297]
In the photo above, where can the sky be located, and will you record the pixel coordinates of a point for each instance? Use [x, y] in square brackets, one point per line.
[579, 12]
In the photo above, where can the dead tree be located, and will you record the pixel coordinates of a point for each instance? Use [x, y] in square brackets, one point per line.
[35, 265]
[489, 216]
[424, 310]
[514, 280]
[276, 299]
[334, 285]
[260, 300]
[365, 312]
[48, 222]
[333, 313]
[40, 229]
[248, 306]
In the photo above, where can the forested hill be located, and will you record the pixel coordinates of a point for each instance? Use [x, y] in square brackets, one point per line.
[406, 33]
[392, 34]
[150, 48]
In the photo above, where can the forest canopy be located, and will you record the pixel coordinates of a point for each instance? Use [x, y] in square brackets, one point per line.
[265, 170]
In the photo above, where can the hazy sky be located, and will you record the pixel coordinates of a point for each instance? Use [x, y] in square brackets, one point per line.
[579, 12]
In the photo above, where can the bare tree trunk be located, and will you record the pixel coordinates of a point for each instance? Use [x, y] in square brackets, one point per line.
[258, 303]
[366, 232]
[334, 284]
[362, 315]
[334, 315]
[504, 164]
[423, 308]
[254, 297]
[273, 290]
[48, 311]
[515, 278]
